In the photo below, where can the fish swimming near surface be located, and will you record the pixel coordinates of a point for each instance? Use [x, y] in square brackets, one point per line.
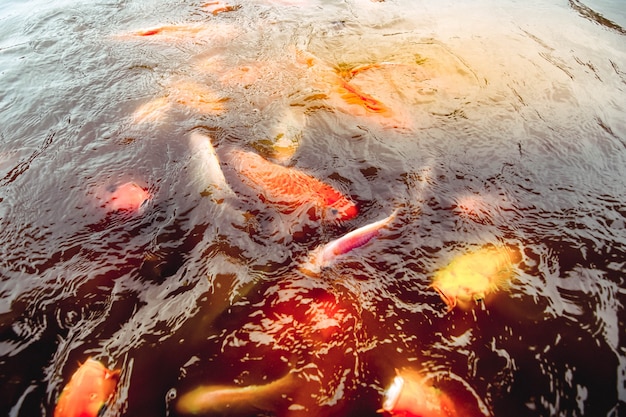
[289, 188]
[412, 395]
[474, 275]
[205, 166]
[324, 255]
[238, 400]
[127, 197]
[90, 389]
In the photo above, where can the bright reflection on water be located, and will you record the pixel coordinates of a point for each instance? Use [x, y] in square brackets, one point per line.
[482, 123]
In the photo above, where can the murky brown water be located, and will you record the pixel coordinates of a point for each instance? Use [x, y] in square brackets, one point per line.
[481, 123]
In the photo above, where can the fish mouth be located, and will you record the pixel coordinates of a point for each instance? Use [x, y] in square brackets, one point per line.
[345, 211]
[448, 299]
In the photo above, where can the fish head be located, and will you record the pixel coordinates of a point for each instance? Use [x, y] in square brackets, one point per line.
[128, 197]
[448, 297]
[339, 207]
[89, 390]
[412, 395]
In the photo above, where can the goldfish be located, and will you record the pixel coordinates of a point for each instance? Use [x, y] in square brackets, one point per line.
[289, 188]
[474, 275]
[88, 392]
[219, 399]
[411, 395]
[322, 256]
[127, 197]
[206, 165]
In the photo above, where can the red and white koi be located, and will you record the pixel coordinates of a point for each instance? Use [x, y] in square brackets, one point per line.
[324, 255]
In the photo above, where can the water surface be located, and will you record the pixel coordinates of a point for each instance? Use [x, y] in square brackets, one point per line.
[506, 128]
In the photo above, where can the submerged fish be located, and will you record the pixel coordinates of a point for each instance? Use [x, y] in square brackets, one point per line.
[217, 399]
[325, 254]
[128, 197]
[411, 395]
[289, 188]
[205, 166]
[473, 275]
[88, 392]
[196, 96]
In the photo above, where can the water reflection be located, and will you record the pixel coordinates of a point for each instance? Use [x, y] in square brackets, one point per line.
[478, 124]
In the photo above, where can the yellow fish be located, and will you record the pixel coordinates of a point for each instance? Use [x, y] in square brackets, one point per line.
[474, 275]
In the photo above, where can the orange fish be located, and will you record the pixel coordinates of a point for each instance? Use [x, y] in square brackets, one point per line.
[411, 395]
[127, 197]
[289, 188]
[217, 7]
[89, 390]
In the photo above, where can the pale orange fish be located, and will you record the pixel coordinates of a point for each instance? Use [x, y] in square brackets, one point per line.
[289, 188]
[127, 197]
[171, 31]
[197, 96]
[412, 395]
[217, 7]
[474, 275]
[152, 111]
[322, 256]
[237, 400]
[90, 389]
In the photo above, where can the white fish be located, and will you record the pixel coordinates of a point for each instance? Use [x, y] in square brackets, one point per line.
[205, 167]
[235, 400]
[323, 255]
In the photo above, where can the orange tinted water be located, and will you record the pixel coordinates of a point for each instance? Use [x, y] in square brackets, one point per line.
[507, 129]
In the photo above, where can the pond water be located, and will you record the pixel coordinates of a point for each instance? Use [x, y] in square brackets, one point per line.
[479, 123]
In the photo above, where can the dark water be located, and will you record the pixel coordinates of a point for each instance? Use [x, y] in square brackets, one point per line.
[517, 111]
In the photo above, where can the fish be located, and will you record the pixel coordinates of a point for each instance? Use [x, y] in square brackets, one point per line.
[324, 255]
[129, 197]
[237, 400]
[205, 165]
[289, 188]
[412, 395]
[89, 390]
[152, 111]
[473, 275]
[217, 7]
[197, 97]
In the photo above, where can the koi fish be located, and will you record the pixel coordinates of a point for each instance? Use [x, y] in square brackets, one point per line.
[289, 188]
[354, 96]
[88, 392]
[197, 96]
[171, 31]
[152, 111]
[474, 275]
[237, 400]
[206, 165]
[127, 197]
[411, 395]
[322, 256]
[217, 7]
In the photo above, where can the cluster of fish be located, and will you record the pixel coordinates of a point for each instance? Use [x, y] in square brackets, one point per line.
[469, 277]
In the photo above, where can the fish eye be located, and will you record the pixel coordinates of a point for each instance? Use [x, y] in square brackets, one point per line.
[171, 395]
